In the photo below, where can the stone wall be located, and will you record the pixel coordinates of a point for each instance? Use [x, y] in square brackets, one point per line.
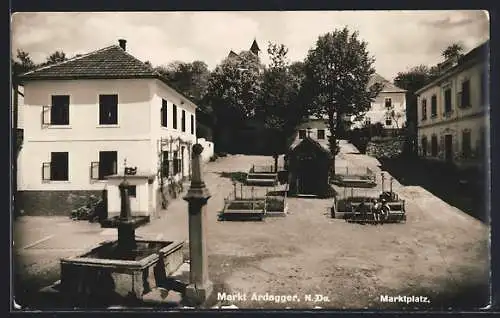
[51, 203]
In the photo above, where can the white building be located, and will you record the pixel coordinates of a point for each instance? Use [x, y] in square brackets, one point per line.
[84, 117]
[388, 108]
[453, 112]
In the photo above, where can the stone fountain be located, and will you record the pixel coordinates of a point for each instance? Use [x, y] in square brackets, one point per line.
[121, 270]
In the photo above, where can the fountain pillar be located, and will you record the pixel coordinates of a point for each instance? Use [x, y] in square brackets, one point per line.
[200, 287]
[126, 226]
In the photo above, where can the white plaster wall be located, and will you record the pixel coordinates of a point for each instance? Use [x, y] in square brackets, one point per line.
[473, 74]
[378, 111]
[473, 118]
[81, 154]
[133, 109]
[161, 91]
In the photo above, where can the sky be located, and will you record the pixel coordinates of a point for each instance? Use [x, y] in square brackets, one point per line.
[398, 40]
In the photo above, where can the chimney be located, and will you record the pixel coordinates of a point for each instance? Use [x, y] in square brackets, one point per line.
[123, 44]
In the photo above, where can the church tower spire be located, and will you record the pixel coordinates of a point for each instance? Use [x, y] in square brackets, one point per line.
[255, 47]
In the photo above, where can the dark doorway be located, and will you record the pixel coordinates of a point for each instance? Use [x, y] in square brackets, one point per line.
[448, 148]
[307, 177]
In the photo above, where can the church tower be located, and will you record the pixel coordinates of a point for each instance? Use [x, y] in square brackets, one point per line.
[255, 48]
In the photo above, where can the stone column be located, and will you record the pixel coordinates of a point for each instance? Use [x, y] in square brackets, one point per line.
[200, 287]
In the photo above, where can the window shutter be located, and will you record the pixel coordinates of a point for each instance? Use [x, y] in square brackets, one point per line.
[45, 115]
[94, 170]
[46, 171]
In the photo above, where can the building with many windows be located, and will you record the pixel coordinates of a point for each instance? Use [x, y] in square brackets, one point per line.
[84, 117]
[388, 108]
[453, 111]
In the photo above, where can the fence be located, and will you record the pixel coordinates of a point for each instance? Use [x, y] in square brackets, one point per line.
[250, 193]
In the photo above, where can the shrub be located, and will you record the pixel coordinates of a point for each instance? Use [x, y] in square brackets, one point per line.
[87, 209]
[275, 205]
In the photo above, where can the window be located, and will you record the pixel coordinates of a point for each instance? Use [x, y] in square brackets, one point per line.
[181, 161]
[484, 88]
[321, 134]
[108, 109]
[164, 113]
[434, 146]
[59, 166]
[302, 134]
[59, 112]
[368, 121]
[388, 102]
[165, 164]
[177, 161]
[388, 121]
[424, 109]
[183, 121]
[174, 116]
[132, 191]
[424, 146]
[434, 106]
[108, 162]
[447, 101]
[465, 95]
[466, 143]
[192, 124]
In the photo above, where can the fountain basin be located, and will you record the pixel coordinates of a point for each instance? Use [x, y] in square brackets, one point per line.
[107, 272]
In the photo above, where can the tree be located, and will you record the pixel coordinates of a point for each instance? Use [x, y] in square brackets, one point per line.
[191, 79]
[56, 57]
[279, 98]
[233, 92]
[338, 70]
[453, 51]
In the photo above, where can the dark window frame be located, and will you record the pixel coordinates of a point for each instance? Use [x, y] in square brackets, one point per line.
[390, 102]
[165, 164]
[466, 147]
[448, 101]
[59, 110]
[183, 121]
[434, 146]
[164, 113]
[483, 96]
[434, 106]
[59, 166]
[321, 134]
[108, 109]
[465, 98]
[174, 116]
[192, 124]
[424, 109]
[107, 168]
[302, 133]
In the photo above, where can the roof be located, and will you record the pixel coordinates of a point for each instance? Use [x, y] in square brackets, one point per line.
[313, 124]
[111, 62]
[479, 53]
[388, 86]
[232, 54]
[311, 141]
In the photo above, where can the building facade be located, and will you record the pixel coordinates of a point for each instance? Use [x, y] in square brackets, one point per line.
[85, 117]
[314, 128]
[453, 112]
[388, 108]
